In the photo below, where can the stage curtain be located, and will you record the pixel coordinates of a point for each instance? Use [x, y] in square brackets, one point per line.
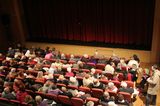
[123, 22]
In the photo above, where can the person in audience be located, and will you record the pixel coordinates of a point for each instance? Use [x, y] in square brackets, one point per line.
[66, 92]
[62, 79]
[124, 88]
[105, 98]
[97, 84]
[49, 55]
[73, 81]
[40, 77]
[87, 80]
[109, 69]
[121, 101]
[111, 103]
[54, 90]
[131, 62]
[40, 101]
[8, 94]
[46, 87]
[69, 72]
[29, 100]
[153, 86]
[90, 103]
[134, 72]
[21, 93]
[85, 58]
[111, 87]
[94, 74]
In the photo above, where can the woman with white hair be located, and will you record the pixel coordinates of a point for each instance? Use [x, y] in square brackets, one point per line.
[111, 87]
[69, 72]
[124, 88]
[73, 81]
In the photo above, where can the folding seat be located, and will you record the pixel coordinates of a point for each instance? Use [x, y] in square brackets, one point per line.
[109, 76]
[124, 68]
[91, 64]
[116, 83]
[85, 89]
[121, 77]
[111, 93]
[41, 94]
[72, 87]
[77, 101]
[52, 97]
[85, 70]
[129, 77]
[59, 85]
[98, 71]
[47, 66]
[75, 70]
[71, 62]
[100, 66]
[127, 96]
[96, 92]
[64, 99]
[56, 75]
[95, 100]
[130, 84]
[104, 81]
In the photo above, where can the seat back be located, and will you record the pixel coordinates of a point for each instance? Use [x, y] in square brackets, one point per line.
[96, 92]
[64, 99]
[77, 101]
[127, 96]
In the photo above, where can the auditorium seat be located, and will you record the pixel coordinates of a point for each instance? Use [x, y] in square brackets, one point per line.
[96, 92]
[77, 101]
[64, 99]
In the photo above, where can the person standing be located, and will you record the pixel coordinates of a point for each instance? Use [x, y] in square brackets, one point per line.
[153, 86]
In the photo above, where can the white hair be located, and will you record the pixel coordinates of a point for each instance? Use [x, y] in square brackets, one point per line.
[123, 84]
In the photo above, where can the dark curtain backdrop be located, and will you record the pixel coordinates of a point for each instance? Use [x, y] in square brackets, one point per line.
[117, 22]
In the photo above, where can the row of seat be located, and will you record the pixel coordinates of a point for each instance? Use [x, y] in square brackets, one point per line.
[74, 101]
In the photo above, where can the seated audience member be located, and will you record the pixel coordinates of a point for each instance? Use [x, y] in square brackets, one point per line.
[72, 58]
[134, 72]
[90, 103]
[49, 55]
[121, 101]
[73, 81]
[124, 88]
[46, 87]
[94, 74]
[111, 103]
[85, 58]
[87, 80]
[66, 92]
[62, 79]
[52, 69]
[111, 87]
[131, 62]
[69, 72]
[29, 100]
[63, 57]
[115, 76]
[8, 94]
[108, 69]
[21, 93]
[40, 102]
[97, 84]
[54, 90]
[21, 74]
[105, 98]
[40, 77]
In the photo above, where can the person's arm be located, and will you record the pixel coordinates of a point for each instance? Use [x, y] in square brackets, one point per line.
[153, 80]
